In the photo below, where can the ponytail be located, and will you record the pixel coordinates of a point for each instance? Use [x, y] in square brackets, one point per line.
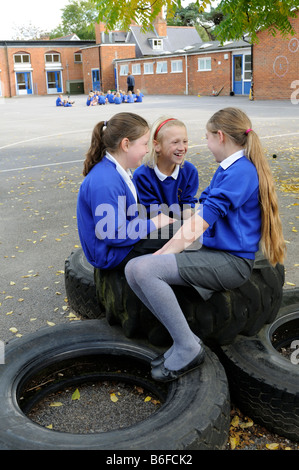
[237, 126]
[95, 152]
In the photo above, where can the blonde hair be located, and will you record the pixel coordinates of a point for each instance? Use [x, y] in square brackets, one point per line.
[237, 126]
[151, 157]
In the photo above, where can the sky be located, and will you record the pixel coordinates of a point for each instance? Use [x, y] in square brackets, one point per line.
[44, 15]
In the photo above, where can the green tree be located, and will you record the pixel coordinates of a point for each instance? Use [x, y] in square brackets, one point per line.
[77, 17]
[203, 21]
[240, 16]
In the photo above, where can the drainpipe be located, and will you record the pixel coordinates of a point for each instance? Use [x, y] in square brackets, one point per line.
[8, 71]
[186, 67]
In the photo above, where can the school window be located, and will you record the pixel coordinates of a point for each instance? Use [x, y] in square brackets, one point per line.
[124, 69]
[136, 69]
[21, 58]
[52, 58]
[157, 44]
[247, 67]
[78, 57]
[148, 68]
[204, 64]
[161, 67]
[176, 66]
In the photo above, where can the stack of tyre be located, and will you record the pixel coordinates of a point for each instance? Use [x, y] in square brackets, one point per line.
[253, 330]
[245, 332]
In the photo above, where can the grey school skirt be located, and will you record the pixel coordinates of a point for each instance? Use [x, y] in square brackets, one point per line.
[210, 270]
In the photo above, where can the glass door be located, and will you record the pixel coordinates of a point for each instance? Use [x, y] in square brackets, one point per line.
[24, 86]
[96, 86]
[237, 74]
[54, 82]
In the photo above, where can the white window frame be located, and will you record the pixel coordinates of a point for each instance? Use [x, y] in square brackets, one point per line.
[161, 66]
[52, 61]
[177, 66]
[136, 69]
[206, 62]
[247, 71]
[79, 54]
[124, 70]
[22, 55]
[148, 68]
[157, 44]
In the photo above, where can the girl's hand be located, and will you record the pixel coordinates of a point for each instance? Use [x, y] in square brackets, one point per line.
[190, 231]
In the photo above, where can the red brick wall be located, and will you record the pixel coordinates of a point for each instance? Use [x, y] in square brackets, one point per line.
[90, 58]
[37, 58]
[276, 64]
[108, 53]
[175, 83]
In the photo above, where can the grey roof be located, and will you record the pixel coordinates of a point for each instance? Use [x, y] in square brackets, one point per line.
[216, 46]
[176, 38]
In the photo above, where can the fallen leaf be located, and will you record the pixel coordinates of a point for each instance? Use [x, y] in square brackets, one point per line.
[272, 446]
[76, 395]
[113, 397]
[13, 329]
[147, 399]
[56, 404]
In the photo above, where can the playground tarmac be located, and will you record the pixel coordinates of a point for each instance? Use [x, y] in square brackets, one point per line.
[42, 151]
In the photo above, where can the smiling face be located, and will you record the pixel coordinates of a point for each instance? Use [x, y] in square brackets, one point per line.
[172, 146]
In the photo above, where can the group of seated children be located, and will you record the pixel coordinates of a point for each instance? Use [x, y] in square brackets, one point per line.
[64, 102]
[112, 97]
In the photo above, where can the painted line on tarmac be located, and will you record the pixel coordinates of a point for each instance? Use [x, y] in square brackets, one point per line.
[44, 137]
[78, 161]
[41, 166]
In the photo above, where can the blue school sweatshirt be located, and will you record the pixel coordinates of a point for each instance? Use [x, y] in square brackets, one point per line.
[180, 191]
[106, 217]
[230, 205]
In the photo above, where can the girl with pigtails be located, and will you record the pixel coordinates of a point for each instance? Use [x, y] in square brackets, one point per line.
[238, 213]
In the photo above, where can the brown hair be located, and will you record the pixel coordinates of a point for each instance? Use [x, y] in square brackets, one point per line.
[237, 126]
[107, 136]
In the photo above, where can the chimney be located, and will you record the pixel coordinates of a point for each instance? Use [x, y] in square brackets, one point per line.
[99, 29]
[160, 25]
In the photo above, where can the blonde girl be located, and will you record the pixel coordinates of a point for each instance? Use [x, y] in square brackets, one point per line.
[238, 212]
[166, 178]
[108, 226]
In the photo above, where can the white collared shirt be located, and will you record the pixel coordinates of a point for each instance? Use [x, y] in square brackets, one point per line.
[125, 174]
[231, 159]
[163, 177]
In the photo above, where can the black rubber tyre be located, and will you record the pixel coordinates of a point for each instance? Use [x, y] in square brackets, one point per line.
[220, 319]
[263, 382]
[80, 286]
[195, 414]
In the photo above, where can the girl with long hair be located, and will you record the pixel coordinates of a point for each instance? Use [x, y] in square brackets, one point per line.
[110, 227]
[238, 212]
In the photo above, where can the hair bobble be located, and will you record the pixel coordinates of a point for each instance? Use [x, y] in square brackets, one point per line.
[248, 130]
[105, 123]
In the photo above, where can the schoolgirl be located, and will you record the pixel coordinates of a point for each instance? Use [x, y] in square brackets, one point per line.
[109, 224]
[239, 211]
[166, 177]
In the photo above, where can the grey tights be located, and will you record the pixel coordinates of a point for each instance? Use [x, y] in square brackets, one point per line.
[151, 277]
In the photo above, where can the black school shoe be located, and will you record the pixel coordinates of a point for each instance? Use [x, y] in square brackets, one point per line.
[158, 360]
[162, 374]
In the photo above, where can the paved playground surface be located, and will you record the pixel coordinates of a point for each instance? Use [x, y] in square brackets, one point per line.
[42, 150]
